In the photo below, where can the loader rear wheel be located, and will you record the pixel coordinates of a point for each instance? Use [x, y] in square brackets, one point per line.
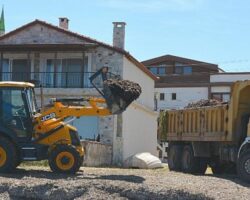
[174, 157]
[243, 166]
[7, 155]
[64, 159]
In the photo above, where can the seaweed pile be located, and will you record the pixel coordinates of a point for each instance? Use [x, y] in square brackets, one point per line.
[120, 93]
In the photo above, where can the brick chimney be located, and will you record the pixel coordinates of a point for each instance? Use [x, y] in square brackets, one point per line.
[119, 34]
[64, 22]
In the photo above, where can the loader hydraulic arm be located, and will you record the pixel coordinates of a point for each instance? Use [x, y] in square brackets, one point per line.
[60, 110]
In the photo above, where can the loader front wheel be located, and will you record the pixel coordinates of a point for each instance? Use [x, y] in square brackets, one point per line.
[64, 159]
[7, 155]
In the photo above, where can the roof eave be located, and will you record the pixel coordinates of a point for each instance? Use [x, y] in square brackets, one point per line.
[142, 67]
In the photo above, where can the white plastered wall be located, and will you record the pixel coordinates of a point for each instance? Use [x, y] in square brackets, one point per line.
[139, 122]
[139, 131]
[184, 96]
[133, 73]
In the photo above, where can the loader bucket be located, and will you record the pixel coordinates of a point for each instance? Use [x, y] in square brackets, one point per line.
[119, 94]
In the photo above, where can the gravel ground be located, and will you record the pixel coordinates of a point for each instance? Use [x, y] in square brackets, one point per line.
[113, 183]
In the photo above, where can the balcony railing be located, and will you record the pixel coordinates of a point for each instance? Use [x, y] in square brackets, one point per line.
[54, 80]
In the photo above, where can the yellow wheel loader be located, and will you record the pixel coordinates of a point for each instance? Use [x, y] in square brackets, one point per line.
[30, 134]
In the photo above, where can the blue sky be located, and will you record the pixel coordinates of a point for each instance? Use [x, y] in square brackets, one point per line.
[207, 30]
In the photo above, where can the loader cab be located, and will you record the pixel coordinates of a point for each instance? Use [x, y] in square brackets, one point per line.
[17, 107]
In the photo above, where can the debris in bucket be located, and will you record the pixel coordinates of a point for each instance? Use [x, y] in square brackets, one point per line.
[127, 90]
[203, 102]
[119, 94]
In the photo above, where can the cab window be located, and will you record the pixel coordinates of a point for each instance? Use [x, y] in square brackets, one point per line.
[13, 113]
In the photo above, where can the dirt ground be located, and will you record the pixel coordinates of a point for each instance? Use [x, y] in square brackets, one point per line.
[112, 183]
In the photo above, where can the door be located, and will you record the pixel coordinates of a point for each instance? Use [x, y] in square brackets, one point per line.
[14, 113]
[71, 72]
[6, 74]
[20, 70]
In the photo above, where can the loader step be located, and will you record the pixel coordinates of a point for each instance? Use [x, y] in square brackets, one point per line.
[30, 159]
[32, 152]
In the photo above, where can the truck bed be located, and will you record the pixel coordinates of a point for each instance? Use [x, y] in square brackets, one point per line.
[195, 124]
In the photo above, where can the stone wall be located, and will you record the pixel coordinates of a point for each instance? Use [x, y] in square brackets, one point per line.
[97, 154]
[41, 34]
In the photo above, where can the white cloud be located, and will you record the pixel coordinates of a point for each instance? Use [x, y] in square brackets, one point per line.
[152, 5]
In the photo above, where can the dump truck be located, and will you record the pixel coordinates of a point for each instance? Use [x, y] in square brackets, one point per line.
[28, 133]
[217, 136]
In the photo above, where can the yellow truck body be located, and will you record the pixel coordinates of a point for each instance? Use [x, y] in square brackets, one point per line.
[216, 135]
[198, 124]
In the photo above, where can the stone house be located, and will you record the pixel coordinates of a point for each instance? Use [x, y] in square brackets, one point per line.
[62, 61]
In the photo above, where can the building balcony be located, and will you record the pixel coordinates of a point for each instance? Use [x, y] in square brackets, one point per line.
[55, 79]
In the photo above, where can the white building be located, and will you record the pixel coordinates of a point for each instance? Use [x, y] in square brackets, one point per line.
[182, 80]
[220, 84]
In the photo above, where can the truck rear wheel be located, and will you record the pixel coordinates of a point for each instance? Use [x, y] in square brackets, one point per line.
[192, 164]
[243, 166]
[174, 157]
[8, 157]
[65, 159]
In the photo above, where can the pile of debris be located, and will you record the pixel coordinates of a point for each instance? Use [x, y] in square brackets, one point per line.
[203, 103]
[128, 90]
[120, 93]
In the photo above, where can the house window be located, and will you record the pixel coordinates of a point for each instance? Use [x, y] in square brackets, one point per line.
[6, 74]
[162, 96]
[183, 69]
[224, 97]
[160, 70]
[71, 73]
[178, 69]
[52, 77]
[66, 73]
[87, 127]
[153, 70]
[187, 70]
[21, 70]
[173, 96]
